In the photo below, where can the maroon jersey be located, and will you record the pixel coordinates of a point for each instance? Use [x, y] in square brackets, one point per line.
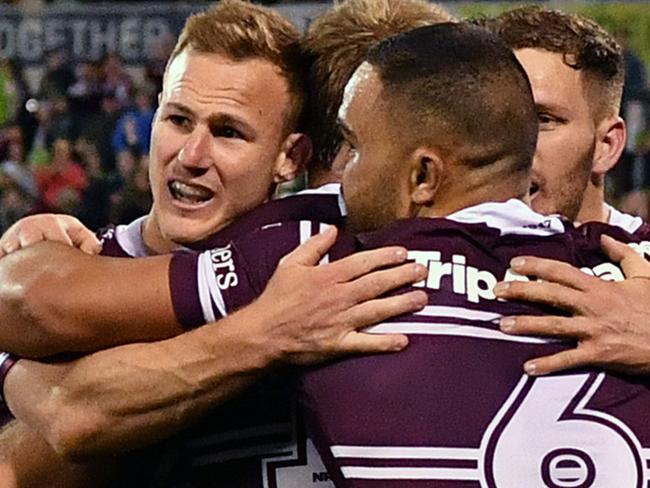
[256, 440]
[455, 409]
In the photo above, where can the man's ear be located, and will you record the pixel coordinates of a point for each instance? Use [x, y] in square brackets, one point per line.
[293, 157]
[611, 136]
[426, 175]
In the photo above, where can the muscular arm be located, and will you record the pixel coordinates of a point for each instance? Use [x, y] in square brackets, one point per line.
[26, 460]
[54, 298]
[136, 394]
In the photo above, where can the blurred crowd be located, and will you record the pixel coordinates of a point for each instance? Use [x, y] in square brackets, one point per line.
[80, 144]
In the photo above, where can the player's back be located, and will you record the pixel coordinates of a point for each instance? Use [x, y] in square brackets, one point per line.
[455, 408]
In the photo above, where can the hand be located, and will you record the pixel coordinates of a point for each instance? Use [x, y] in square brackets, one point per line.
[314, 313]
[49, 227]
[610, 322]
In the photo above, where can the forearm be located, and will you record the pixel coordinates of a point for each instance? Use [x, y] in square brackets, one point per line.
[57, 299]
[26, 460]
[132, 396]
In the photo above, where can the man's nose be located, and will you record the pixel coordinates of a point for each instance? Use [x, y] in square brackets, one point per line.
[195, 153]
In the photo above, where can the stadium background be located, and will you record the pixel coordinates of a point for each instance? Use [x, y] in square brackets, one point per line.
[78, 85]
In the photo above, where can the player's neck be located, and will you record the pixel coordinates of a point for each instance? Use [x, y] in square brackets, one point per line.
[456, 198]
[153, 240]
[593, 207]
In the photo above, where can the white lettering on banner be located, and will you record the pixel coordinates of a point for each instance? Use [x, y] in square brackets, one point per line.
[84, 37]
[79, 28]
[54, 34]
[476, 283]
[130, 38]
[102, 38]
[30, 39]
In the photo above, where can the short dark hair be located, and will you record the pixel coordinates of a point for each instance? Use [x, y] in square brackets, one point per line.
[459, 88]
[585, 46]
[337, 42]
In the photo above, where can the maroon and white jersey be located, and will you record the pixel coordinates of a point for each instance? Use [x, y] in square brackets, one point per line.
[256, 440]
[123, 241]
[323, 204]
[455, 409]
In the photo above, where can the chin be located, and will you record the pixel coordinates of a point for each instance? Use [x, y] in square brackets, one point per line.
[183, 231]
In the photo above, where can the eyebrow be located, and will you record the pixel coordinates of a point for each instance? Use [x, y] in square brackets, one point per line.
[180, 107]
[347, 131]
[221, 119]
[218, 119]
[553, 109]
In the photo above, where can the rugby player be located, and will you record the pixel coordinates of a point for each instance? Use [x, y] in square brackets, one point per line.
[454, 409]
[413, 153]
[576, 72]
[369, 21]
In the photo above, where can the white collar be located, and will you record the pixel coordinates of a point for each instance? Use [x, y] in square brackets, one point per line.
[628, 223]
[511, 217]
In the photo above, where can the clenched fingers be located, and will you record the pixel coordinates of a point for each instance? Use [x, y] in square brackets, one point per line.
[85, 240]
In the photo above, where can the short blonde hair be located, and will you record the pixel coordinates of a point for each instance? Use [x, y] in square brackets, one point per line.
[337, 43]
[240, 30]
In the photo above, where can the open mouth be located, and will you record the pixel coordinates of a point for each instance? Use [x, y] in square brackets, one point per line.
[189, 194]
[534, 188]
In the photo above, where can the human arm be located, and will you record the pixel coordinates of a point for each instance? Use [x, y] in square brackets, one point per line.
[609, 320]
[27, 461]
[55, 298]
[136, 394]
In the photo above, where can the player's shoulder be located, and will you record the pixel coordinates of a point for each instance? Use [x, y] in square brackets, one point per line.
[323, 205]
[488, 224]
[123, 241]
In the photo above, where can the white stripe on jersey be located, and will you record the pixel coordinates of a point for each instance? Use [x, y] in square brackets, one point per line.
[3, 357]
[405, 452]
[459, 330]
[409, 473]
[457, 312]
[307, 231]
[209, 291]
